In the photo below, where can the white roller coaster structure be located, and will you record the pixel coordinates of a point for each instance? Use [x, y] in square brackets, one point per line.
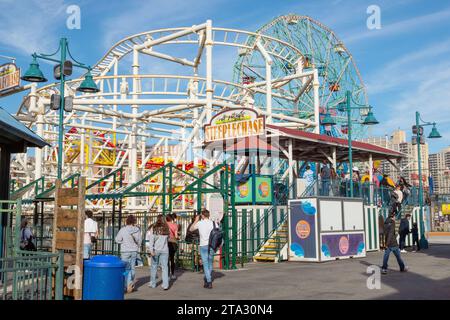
[135, 113]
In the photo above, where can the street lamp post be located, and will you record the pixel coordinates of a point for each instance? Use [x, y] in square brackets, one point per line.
[434, 134]
[34, 74]
[369, 120]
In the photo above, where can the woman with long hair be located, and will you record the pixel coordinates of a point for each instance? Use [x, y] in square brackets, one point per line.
[173, 244]
[157, 246]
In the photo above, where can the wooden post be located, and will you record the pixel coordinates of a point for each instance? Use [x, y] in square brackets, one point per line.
[68, 231]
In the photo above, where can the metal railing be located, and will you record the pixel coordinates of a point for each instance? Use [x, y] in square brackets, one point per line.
[27, 275]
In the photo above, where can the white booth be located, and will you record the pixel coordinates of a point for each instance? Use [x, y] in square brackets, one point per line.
[326, 228]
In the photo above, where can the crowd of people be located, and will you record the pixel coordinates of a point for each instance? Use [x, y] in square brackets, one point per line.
[161, 245]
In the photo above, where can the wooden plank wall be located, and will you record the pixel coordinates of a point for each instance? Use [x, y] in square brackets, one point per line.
[68, 230]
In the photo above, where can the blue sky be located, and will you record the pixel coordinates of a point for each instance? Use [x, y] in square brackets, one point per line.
[405, 64]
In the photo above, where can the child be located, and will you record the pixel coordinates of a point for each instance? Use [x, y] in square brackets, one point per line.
[415, 236]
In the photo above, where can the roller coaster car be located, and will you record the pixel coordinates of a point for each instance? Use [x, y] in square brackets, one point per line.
[247, 80]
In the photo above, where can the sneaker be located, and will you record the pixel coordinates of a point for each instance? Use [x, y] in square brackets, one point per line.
[414, 251]
[209, 285]
[153, 286]
[130, 288]
[173, 277]
[403, 251]
[383, 271]
[405, 269]
[166, 288]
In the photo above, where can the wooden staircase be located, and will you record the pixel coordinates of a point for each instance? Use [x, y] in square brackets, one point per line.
[270, 250]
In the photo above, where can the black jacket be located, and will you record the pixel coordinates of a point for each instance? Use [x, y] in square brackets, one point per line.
[404, 226]
[415, 232]
[389, 233]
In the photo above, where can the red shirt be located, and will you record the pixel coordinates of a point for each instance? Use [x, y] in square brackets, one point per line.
[173, 227]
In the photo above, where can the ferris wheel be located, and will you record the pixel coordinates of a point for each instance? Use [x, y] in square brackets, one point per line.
[321, 50]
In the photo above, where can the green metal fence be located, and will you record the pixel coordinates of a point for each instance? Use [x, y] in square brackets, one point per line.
[27, 275]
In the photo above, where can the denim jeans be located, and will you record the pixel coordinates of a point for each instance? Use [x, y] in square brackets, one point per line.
[87, 250]
[207, 260]
[396, 252]
[325, 188]
[130, 259]
[160, 259]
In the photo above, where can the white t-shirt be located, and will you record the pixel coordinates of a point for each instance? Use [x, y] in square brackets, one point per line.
[309, 176]
[90, 228]
[204, 229]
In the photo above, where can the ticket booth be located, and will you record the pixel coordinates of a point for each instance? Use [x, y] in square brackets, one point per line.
[326, 228]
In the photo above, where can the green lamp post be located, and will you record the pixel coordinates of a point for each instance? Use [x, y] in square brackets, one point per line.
[433, 135]
[34, 74]
[346, 106]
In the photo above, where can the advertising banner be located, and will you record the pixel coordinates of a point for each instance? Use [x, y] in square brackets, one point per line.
[9, 77]
[263, 190]
[244, 192]
[303, 230]
[342, 245]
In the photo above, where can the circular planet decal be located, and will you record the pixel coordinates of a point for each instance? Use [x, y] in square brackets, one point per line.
[343, 245]
[243, 190]
[303, 229]
[264, 189]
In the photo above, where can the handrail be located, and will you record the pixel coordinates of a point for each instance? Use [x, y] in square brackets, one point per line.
[27, 186]
[112, 173]
[69, 178]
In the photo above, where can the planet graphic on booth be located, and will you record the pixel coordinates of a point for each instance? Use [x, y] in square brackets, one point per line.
[343, 245]
[264, 189]
[308, 208]
[303, 229]
[298, 250]
[361, 247]
[243, 190]
[326, 250]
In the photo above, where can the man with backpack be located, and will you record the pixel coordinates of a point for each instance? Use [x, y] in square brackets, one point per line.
[211, 239]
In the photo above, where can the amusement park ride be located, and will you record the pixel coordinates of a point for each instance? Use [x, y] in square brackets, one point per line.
[293, 71]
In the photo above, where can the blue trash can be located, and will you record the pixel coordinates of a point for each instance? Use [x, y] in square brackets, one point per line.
[103, 278]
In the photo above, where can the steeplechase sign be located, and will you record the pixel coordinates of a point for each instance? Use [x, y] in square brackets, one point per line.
[234, 123]
[9, 77]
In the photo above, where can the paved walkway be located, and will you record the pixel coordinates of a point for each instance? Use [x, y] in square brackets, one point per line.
[428, 278]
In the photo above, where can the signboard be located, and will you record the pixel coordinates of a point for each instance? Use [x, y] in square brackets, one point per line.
[215, 207]
[303, 230]
[234, 123]
[244, 191]
[342, 245]
[9, 77]
[446, 208]
[263, 190]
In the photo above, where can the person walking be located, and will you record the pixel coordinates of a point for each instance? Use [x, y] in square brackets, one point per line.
[192, 239]
[157, 238]
[308, 175]
[130, 240]
[173, 244]
[415, 236]
[204, 227]
[381, 231]
[405, 187]
[325, 175]
[403, 231]
[90, 234]
[396, 200]
[391, 245]
[26, 237]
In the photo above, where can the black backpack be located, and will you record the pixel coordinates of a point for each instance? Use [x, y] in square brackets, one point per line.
[192, 236]
[215, 238]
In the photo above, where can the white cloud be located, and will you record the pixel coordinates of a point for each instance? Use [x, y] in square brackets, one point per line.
[407, 25]
[32, 26]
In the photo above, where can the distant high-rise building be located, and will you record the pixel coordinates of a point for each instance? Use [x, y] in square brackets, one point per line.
[440, 171]
[407, 167]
